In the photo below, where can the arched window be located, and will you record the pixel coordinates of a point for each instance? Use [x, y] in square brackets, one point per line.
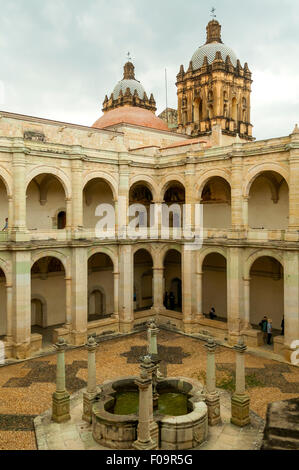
[61, 220]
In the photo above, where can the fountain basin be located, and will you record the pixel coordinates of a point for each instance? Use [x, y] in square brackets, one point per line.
[119, 431]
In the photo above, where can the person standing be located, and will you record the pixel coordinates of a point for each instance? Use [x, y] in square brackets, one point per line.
[6, 225]
[269, 331]
[172, 301]
[166, 300]
[212, 313]
[263, 324]
[282, 327]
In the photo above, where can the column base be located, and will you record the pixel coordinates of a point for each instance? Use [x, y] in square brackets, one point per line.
[240, 410]
[233, 338]
[21, 351]
[61, 407]
[213, 404]
[154, 432]
[78, 338]
[190, 327]
[150, 445]
[88, 402]
[20, 236]
[126, 327]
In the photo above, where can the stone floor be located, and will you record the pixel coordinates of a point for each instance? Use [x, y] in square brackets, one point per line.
[26, 388]
[77, 434]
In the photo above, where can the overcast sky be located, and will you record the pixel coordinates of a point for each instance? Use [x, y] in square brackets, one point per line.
[60, 57]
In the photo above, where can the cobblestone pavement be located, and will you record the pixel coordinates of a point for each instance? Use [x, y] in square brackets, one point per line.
[26, 388]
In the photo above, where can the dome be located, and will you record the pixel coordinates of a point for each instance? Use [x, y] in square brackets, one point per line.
[210, 50]
[131, 115]
[129, 83]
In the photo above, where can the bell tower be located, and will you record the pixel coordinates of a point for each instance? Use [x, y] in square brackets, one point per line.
[215, 90]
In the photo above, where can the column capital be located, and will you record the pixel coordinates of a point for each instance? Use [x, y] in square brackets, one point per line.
[211, 346]
[91, 344]
[61, 345]
[240, 347]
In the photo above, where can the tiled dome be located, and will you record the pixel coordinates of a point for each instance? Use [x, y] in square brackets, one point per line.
[131, 115]
[210, 50]
[132, 84]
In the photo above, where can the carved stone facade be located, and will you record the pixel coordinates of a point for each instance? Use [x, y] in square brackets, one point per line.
[130, 93]
[215, 90]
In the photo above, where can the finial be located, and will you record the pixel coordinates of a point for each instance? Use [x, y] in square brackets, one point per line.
[129, 57]
[296, 130]
[213, 12]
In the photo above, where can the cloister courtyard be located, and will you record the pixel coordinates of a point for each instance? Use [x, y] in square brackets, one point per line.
[26, 387]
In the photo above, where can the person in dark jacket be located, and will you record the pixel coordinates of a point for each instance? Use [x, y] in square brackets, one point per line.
[166, 300]
[212, 313]
[263, 325]
[282, 327]
[172, 301]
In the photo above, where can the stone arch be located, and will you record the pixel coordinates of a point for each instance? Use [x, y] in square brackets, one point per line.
[214, 278]
[44, 306]
[143, 278]
[101, 265]
[98, 288]
[56, 172]
[208, 251]
[106, 179]
[146, 181]
[206, 176]
[257, 170]
[266, 281]
[163, 251]
[7, 181]
[104, 251]
[64, 259]
[6, 267]
[260, 254]
[168, 181]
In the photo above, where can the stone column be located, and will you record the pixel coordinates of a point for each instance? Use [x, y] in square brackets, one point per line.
[187, 275]
[240, 400]
[293, 181]
[61, 399]
[79, 296]
[245, 212]
[68, 303]
[291, 300]
[68, 205]
[19, 195]
[144, 441]
[236, 190]
[10, 213]
[77, 195]
[123, 199]
[199, 306]
[21, 304]
[126, 311]
[116, 296]
[212, 396]
[9, 310]
[235, 297]
[246, 320]
[91, 393]
[158, 282]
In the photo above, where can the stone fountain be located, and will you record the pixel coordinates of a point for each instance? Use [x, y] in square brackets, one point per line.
[150, 411]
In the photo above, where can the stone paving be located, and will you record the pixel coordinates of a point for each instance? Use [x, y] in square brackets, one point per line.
[26, 388]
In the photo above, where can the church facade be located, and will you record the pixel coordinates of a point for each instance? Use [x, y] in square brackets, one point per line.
[58, 278]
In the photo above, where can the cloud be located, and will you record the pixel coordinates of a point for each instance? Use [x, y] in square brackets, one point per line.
[60, 57]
